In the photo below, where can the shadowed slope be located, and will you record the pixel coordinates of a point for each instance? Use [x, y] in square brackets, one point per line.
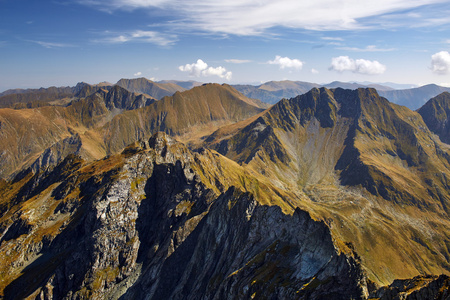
[436, 114]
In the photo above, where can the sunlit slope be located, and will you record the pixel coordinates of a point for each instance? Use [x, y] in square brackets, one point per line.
[188, 115]
[370, 168]
[108, 120]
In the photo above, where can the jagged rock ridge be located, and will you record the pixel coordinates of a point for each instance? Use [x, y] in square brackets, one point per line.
[146, 224]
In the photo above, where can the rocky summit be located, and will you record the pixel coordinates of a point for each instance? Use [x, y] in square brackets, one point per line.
[332, 194]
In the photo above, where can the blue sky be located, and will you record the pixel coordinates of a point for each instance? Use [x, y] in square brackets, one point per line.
[60, 42]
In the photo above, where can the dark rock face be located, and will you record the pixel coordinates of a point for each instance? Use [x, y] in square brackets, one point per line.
[57, 152]
[417, 288]
[243, 250]
[149, 228]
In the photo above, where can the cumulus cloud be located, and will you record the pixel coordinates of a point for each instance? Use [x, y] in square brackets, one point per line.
[314, 71]
[361, 66]
[142, 36]
[200, 68]
[286, 62]
[250, 17]
[137, 74]
[440, 63]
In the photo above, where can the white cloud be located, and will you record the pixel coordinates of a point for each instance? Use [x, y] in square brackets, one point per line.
[237, 61]
[51, 45]
[250, 17]
[327, 38]
[137, 74]
[200, 68]
[361, 66]
[440, 63]
[286, 62]
[314, 71]
[370, 48]
[142, 36]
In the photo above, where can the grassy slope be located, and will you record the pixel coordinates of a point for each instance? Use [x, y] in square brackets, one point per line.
[311, 145]
[38, 209]
[188, 115]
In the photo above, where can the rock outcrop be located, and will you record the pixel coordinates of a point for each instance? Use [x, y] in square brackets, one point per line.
[145, 224]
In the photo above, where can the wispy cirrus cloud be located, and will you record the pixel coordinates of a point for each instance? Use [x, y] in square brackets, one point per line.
[360, 66]
[328, 38]
[249, 17]
[370, 48]
[200, 68]
[51, 44]
[286, 62]
[139, 36]
[237, 61]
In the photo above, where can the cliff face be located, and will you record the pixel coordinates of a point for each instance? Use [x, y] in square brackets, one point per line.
[146, 224]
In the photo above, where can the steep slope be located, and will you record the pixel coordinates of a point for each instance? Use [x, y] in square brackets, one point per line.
[153, 89]
[188, 115]
[34, 97]
[416, 97]
[61, 96]
[370, 168]
[108, 120]
[26, 133]
[436, 114]
[161, 222]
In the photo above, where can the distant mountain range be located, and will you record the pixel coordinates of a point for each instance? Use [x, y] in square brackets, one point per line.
[273, 91]
[270, 92]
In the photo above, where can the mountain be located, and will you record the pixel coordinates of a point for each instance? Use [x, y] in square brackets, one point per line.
[184, 84]
[369, 168]
[153, 89]
[95, 230]
[30, 98]
[26, 133]
[355, 85]
[416, 97]
[332, 194]
[108, 120]
[273, 91]
[436, 114]
[162, 222]
[189, 115]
